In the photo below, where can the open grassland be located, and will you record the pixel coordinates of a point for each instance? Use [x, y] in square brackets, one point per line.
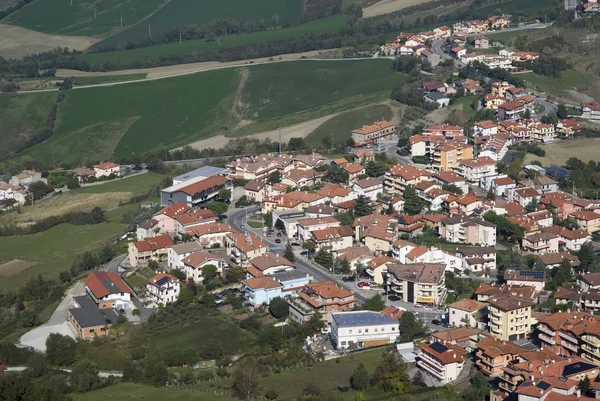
[508, 38]
[59, 17]
[388, 6]
[52, 251]
[112, 122]
[21, 116]
[572, 87]
[132, 392]
[341, 126]
[125, 57]
[559, 152]
[514, 6]
[137, 185]
[181, 13]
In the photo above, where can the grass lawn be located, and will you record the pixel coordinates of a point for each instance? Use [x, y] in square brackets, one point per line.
[570, 80]
[181, 13]
[559, 152]
[513, 6]
[255, 224]
[59, 17]
[508, 38]
[341, 125]
[133, 392]
[20, 115]
[53, 250]
[104, 79]
[465, 103]
[137, 185]
[126, 57]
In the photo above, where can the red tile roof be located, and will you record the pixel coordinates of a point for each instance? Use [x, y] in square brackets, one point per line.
[151, 243]
[102, 284]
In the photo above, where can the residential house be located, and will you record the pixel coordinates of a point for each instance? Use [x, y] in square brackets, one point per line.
[176, 253]
[481, 42]
[466, 337]
[474, 170]
[586, 220]
[390, 203]
[468, 313]
[530, 278]
[377, 268]
[477, 258]
[298, 178]
[211, 235]
[502, 185]
[571, 240]
[255, 191]
[323, 297]
[333, 238]
[468, 230]
[590, 111]
[567, 128]
[354, 170]
[194, 263]
[510, 317]
[369, 188]
[241, 248]
[108, 290]
[166, 217]
[107, 169]
[399, 177]
[83, 174]
[355, 255]
[185, 223]
[442, 360]
[163, 289]
[336, 194]
[153, 248]
[317, 211]
[431, 58]
[363, 329]
[438, 98]
[523, 196]
[554, 259]
[88, 321]
[486, 291]
[268, 264]
[540, 243]
[493, 355]
[196, 191]
[261, 290]
[511, 111]
[307, 226]
[492, 101]
[364, 155]
[419, 283]
[458, 51]
[370, 134]
[409, 225]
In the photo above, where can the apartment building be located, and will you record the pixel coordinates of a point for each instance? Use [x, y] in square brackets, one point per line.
[196, 191]
[510, 317]
[333, 238]
[474, 170]
[418, 283]
[468, 230]
[486, 291]
[243, 247]
[442, 360]
[163, 289]
[363, 329]
[571, 334]
[212, 234]
[468, 313]
[370, 188]
[268, 264]
[543, 242]
[307, 226]
[369, 134]
[152, 248]
[586, 220]
[324, 297]
[511, 111]
[399, 177]
[532, 278]
[477, 258]
[493, 355]
[523, 196]
[448, 156]
[195, 262]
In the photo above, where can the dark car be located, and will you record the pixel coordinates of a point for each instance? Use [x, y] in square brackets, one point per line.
[278, 241]
[393, 298]
[279, 234]
[436, 322]
[351, 278]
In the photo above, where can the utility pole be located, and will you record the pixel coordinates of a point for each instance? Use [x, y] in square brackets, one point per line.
[279, 138]
[180, 43]
[94, 12]
[149, 30]
[121, 22]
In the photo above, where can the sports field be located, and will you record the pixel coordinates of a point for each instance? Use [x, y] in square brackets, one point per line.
[111, 122]
[126, 57]
[21, 116]
[181, 13]
[59, 17]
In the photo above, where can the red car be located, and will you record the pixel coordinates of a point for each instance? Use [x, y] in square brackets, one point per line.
[363, 284]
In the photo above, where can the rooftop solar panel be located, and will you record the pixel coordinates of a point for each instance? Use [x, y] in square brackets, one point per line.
[534, 274]
[543, 385]
[439, 347]
[577, 367]
[162, 281]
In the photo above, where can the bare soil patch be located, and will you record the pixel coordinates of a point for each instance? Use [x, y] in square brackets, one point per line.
[559, 152]
[14, 267]
[17, 42]
[66, 203]
[388, 6]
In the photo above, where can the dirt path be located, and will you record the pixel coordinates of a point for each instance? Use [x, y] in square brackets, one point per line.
[388, 6]
[186, 68]
[237, 109]
[16, 41]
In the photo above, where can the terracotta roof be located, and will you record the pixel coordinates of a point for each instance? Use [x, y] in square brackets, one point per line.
[196, 259]
[565, 293]
[467, 305]
[369, 182]
[327, 290]
[592, 279]
[409, 172]
[318, 220]
[102, 284]
[554, 258]
[203, 185]
[457, 334]
[266, 282]
[417, 252]
[493, 348]
[297, 175]
[347, 204]
[353, 252]
[210, 228]
[254, 186]
[340, 161]
[435, 218]
[158, 277]
[269, 260]
[246, 243]
[174, 210]
[543, 236]
[418, 272]
[451, 354]
[525, 291]
[333, 190]
[376, 126]
[151, 243]
[379, 261]
[448, 177]
[393, 312]
[480, 161]
[353, 168]
[82, 172]
[106, 165]
[586, 215]
[503, 181]
[510, 302]
[527, 192]
[196, 216]
[521, 275]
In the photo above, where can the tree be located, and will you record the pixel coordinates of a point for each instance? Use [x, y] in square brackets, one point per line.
[224, 194]
[562, 112]
[527, 114]
[324, 258]
[360, 378]
[60, 350]
[209, 272]
[561, 275]
[245, 381]
[374, 169]
[375, 303]
[98, 215]
[490, 195]
[296, 144]
[309, 246]
[336, 175]
[40, 189]
[37, 366]
[584, 386]
[73, 182]
[155, 371]
[452, 188]
[390, 368]
[278, 307]
[410, 326]
[271, 395]
[412, 203]
[289, 253]
[275, 177]
[236, 274]
[532, 206]
[84, 376]
[218, 208]
[178, 274]
[363, 206]
[268, 219]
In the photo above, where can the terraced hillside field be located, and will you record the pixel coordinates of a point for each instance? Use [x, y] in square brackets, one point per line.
[181, 13]
[115, 121]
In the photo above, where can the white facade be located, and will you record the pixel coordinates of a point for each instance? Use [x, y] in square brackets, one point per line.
[177, 253]
[370, 191]
[360, 329]
[444, 372]
[163, 293]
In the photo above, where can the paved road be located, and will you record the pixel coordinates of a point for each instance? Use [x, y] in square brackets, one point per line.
[100, 373]
[390, 152]
[549, 108]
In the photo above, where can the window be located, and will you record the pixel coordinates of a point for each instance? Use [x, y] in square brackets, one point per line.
[366, 330]
[359, 331]
[91, 330]
[343, 343]
[393, 329]
[454, 312]
[350, 331]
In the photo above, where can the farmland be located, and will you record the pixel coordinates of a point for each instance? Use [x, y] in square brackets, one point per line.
[20, 117]
[181, 13]
[59, 17]
[125, 57]
[112, 122]
[569, 87]
[513, 6]
[340, 126]
[559, 152]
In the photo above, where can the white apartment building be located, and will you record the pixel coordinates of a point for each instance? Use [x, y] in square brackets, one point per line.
[163, 289]
[417, 283]
[369, 187]
[442, 360]
[362, 329]
[467, 313]
[474, 170]
[177, 253]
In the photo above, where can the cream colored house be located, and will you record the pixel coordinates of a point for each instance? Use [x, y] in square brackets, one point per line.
[467, 313]
[510, 317]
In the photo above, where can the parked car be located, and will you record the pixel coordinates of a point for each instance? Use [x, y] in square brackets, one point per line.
[363, 275]
[394, 298]
[363, 284]
[278, 241]
[242, 226]
[279, 234]
[436, 322]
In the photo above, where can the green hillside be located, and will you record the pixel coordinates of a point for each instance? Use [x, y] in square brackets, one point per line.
[514, 6]
[125, 57]
[181, 13]
[59, 17]
[21, 116]
[115, 121]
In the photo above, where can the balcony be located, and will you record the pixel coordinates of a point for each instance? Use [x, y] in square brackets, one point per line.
[544, 329]
[522, 315]
[570, 346]
[590, 349]
[520, 323]
[496, 321]
[568, 337]
[496, 329]
[507, 387]
[496, 313]
[595, 341]
[548, 339]
[431, 370]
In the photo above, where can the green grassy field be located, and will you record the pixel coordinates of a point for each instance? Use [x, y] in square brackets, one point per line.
[181, 13]
[111, 122]
[133, 392]
[23, 114]
[341, 125]
[125, 57]
[570, 80]
[137, 185]
[59, 17]
[514, 6]
[508, 38]
[104, 79]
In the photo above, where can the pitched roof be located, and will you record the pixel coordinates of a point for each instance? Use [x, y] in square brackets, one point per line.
[418, 272]
[151, 243]
[254, 185]
[326, 290]
[353, 168]
[393, 312]
[467, 305]
[196, 259]
[102, 284]
[106, 165]
[174, 210]
[457, 334]
[269, 260]
[510, 302]
[203, 185]
[266, 282]
[161, 279]
[493, 348]
[525, 275]
[445, 353]
[210, 228]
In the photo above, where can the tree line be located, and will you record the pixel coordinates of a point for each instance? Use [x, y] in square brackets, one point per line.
[95, 216]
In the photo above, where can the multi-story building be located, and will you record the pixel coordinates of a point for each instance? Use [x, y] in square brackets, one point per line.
[540, 243]
[571, 334]
[474, 170]
[586, 220]
[323, 297]
[106, 169]
[371, 188]
[448, 156]
[152, 248]
[363, 329]
[468, 313]
[196, 191]
[307, 226]
[531, 278]
[511, 111]
[163, 289]
[195, 262]
[261, 290]
[399, 177]
[268, 264]
[243, 247]
[510, 317]
[590, 110]
[418, 283]
[442, 360]
[493, 355]
[369, 134]
[468, 230]
[477, 258]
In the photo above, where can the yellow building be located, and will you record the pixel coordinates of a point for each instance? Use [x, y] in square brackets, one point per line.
[510, 317]
[447, 156]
